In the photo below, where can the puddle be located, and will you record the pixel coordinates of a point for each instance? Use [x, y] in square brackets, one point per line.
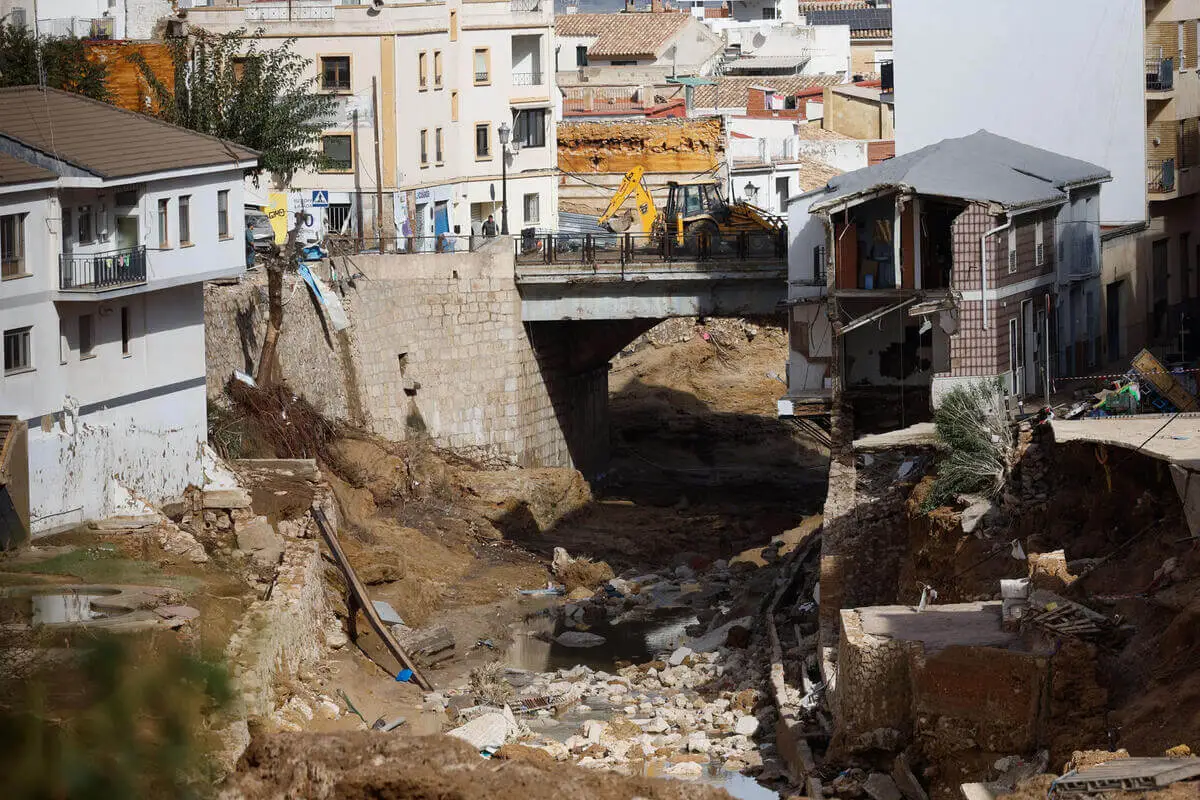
[54, 608]
[743, 787]
[636, 640]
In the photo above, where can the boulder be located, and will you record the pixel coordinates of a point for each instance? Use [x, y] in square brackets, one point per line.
[881, 787]
[746, 726]
[579, 639]
[679, 655]
[259, 540]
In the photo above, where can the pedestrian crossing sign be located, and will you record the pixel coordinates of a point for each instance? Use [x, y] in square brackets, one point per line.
[320, 198]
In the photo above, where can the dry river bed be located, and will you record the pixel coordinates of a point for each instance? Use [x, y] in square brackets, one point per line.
[659, 674]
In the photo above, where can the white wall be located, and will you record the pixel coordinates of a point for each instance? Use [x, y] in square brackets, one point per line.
[845, 154]
[136, 418]
[831, 50]
[1066, 76]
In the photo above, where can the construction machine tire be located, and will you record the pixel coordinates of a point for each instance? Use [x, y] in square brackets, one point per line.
[703, 236]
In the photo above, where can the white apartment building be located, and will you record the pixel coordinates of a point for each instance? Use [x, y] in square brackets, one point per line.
[442, 77]
[106, 243]
[1114, 83]
[95, 19]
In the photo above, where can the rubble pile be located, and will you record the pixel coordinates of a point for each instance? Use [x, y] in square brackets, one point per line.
[697, 708]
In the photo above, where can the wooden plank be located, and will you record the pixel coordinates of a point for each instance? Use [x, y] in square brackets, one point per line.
[363, 600]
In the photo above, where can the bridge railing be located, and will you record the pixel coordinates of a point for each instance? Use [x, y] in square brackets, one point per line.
[590, 250]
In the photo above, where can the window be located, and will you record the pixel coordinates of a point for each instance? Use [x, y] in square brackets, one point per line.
[335, 73]
[422, 70]
[581, 55]
[12, 246]
[85, 224]
[126, 331]
[17, 355]
[239, 68]
[529, 128]
[770, 13]
[338, 152]
[164, 231]
[1012, 250]
[424, 147]
[454, 105]
[17, 17]
[223, 213]
[437, 69]
[437, 145]
[632, 63]
[453, 25]
[483, 66]
[1039, 237]
[531, 209]
[87, 336]
[185, 220]
[483, 140]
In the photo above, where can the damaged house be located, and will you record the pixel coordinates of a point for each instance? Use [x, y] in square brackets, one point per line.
[971, 258]
[110, 222]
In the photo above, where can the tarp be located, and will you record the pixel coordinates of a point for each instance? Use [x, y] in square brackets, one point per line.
[328, 300]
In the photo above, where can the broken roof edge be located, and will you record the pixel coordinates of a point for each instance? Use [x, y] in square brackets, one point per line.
[841, 202]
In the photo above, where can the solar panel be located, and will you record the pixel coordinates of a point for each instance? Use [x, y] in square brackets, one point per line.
[857, 18]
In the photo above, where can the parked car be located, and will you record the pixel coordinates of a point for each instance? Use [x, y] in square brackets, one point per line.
[261, 233]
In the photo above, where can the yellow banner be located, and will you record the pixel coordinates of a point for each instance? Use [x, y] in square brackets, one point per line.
[277, 212]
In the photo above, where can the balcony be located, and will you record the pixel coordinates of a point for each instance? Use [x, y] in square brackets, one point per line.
[1160, 176]
[297, 11]
[1160, 76]
[100, 272]
[527, 79]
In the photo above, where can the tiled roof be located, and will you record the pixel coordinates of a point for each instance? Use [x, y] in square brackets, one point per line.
[807, 6]
[815, 174]
[641, 33]
[14, 170]
[107, 141]
[734, 89]
[815, 133]
[872, 33]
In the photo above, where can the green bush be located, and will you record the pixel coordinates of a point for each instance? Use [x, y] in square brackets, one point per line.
[119, 720]
[972, 425]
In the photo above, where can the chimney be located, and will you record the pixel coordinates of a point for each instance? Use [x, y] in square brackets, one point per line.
[656, 6]
[629, 7]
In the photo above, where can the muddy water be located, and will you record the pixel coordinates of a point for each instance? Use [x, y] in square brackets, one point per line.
[534, 649]
[53, 608]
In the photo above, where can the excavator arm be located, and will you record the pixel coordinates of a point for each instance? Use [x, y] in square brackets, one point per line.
[646, 210]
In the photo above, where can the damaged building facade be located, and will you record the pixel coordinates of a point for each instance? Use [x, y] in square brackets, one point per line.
[971, 258]
[106, 246]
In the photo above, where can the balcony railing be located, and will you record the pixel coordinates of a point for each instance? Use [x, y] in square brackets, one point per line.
[99, 272]
[1160, 176]
[482, 77]
[566, 249]
[295, 11]
[527, 79]
[1160, 74]
[526, 6]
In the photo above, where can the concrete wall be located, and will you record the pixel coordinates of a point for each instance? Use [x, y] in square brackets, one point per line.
[859, 117]
[436, 348]
[1082, 59]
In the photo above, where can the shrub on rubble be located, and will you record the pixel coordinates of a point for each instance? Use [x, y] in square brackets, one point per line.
[972, 426]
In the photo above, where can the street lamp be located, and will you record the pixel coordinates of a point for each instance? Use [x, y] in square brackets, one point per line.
[504, 132]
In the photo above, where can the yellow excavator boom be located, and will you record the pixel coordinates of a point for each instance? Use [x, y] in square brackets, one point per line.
[635, 185]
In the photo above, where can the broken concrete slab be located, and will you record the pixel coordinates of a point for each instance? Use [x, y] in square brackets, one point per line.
[1187, 485]
[487, 731]
[716, 638]
[906, 781]
[226, 498]
[126, 522]
[880, 787]
[305, 468]
[257, 538]
[1128, 774]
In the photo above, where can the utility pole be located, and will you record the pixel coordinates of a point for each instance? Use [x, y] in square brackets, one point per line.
[379, 224]
[358, 210]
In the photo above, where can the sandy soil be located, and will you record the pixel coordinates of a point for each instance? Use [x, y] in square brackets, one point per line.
[367, 765]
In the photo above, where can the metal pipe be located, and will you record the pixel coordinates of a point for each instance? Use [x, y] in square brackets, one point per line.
[983, 265]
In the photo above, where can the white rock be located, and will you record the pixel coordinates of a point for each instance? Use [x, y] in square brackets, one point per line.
[557, 750]
[487, 730]
[746, 726]
[697, 742]
[576, 743]
[680, 701]
[619, 749]
[716, 638]
[656, 725]
[593, 729]
[686, 769]
[579, 639]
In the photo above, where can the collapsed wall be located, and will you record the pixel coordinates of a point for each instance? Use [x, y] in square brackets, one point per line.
[436, 348]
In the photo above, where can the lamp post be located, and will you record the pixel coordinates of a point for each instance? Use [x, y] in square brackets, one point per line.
[504, 132]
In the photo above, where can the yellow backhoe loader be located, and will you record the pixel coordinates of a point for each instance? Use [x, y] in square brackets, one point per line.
[694, 208]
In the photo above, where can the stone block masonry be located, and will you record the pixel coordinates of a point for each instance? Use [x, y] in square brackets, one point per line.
[436, 348]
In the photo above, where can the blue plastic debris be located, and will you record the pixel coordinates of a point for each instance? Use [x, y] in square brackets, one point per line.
[404, 676]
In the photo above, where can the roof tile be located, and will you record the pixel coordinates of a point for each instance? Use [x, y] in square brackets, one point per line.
[641, 33]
